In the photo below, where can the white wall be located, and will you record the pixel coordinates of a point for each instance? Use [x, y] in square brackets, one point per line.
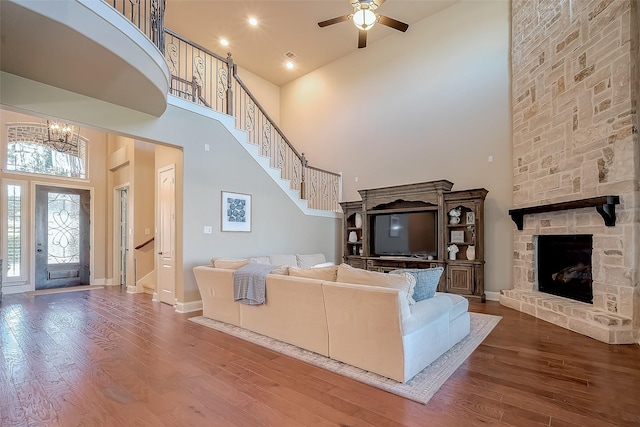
[267, 94]
[432, 103]
[278, 225]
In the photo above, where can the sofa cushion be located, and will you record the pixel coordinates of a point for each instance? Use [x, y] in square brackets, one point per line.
[229, 263]
[282, 270]
[289, 260]
[460, 304]
[425, 312]
[426, 281]
[308, 261]
[261, 260]
[322, 273]
[403, 282]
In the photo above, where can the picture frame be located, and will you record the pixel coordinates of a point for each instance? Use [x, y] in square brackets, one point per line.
[235, 212]
[457, 236]
[471, 217]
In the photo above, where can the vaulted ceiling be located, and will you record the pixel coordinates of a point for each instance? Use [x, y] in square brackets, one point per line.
[285, 26]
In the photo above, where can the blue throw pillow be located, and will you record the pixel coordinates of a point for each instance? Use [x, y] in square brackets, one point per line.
[426, 281]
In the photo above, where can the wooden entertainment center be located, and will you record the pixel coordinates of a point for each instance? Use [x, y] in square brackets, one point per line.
[457, 218]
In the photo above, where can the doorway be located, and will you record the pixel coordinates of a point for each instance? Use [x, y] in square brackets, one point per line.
[166, 278]
[62, 237]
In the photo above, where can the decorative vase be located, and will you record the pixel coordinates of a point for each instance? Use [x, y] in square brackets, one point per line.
[353, 237]
[471, 252]
[358, 220]
[454, 220]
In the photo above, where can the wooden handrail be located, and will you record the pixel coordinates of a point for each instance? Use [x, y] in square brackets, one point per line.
[202, 48]
[273, 124]
[145, 243]
[218, 84]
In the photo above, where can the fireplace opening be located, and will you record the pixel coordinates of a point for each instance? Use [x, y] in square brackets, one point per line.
[564, 266]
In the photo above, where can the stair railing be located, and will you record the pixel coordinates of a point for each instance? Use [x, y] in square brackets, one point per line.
[216, 82]
[206, 78]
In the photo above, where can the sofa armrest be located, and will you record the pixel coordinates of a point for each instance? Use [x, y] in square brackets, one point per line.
[365, 327]
[216, 290]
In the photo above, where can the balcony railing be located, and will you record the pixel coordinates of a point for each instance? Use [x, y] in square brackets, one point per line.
[206, 78]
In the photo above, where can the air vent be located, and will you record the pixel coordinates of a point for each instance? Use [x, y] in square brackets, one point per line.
[290, 55]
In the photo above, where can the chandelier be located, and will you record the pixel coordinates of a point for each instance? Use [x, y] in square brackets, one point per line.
[60, 136]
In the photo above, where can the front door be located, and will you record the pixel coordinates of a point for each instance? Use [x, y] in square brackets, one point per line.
[166, 235]
[61, 237]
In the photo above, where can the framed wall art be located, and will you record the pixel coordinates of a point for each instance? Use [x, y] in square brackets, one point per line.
[236, 211]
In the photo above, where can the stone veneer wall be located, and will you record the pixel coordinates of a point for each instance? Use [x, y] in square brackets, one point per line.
[574, 71]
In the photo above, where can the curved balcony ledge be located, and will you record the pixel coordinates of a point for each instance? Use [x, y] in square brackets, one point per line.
[85, 47]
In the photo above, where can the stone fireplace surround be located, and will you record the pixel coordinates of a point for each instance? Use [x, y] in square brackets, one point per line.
[609, 318]
[575, 86]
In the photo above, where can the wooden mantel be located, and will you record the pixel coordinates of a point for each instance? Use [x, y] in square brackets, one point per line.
[605, 205]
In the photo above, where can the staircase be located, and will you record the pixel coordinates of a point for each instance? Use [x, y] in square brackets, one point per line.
[203, 77]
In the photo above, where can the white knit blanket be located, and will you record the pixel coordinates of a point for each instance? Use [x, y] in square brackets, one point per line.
[249, 283]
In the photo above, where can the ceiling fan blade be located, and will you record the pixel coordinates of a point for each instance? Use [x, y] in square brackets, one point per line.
[333, 21]
[362, 39]
[390, 22]
[379, 2]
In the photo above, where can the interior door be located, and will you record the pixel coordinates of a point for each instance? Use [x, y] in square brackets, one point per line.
[62, 237]
[122, 227]
[166, 235]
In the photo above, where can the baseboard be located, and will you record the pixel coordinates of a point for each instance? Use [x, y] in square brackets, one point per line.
[132, 289]
[102, 282]
[188, 307]
[16, 289]
[492, 296]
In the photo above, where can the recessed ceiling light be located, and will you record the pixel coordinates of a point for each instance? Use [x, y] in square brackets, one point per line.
[290, 65]
[253, 21]
[224, 42]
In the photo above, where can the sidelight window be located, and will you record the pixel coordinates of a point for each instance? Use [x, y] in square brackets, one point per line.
[15, 223]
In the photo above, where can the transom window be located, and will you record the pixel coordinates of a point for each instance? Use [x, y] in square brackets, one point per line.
[29, 151]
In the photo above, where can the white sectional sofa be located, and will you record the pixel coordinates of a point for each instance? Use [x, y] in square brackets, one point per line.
[372, 326]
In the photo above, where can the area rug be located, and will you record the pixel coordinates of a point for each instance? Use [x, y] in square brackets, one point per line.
[420, 388]
[68, 289]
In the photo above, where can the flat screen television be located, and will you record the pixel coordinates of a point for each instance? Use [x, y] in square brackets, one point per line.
[412, 234]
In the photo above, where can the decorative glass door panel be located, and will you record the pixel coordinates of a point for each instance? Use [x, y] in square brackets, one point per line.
[62, 237]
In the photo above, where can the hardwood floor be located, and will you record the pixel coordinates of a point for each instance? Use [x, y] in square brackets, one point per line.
[106, 358]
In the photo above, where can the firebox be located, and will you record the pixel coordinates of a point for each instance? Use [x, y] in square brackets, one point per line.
[564, 266]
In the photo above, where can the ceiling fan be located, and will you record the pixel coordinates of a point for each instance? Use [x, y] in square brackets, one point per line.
[364, 17]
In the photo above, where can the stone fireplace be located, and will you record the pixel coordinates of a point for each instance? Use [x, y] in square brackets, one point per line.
[574, 92]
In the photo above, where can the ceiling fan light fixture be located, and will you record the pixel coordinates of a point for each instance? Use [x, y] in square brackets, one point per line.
[364, 19]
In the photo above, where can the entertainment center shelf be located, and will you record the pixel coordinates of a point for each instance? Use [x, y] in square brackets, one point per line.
[423, 225]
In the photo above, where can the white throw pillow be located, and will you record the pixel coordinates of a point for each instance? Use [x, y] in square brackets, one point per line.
[261, 260]
[324, 264]
[308, 261]
[289, 260]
